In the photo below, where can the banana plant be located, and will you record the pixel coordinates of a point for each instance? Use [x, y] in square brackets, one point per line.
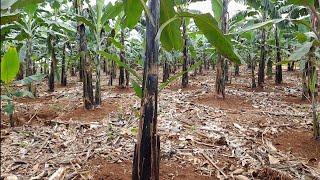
[309, 50]
[10, 64]
[28, 27]
[263, 6]
[166, 58]
[169, 32]
[53, 33]
[11, 10]
[67, 42]
[303, 15]
[162, 21]
[96, 21]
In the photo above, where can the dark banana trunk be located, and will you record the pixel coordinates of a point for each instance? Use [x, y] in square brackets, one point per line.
[279, 66]
[221, 63]
[21, 72]
[87, 70]
[253, 76]
[112, 73]
[262, 63]
[236, 70]
[166, 71]
[185, 76]
[63, 67]
[147, 149]
[122, 54]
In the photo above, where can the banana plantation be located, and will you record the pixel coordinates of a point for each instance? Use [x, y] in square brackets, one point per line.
[160, 89]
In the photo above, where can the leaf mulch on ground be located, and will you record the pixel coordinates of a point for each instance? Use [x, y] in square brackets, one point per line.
[263, 134]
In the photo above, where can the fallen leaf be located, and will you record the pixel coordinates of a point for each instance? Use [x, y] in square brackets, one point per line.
[271, 146]
[238, 126]
[11, 177]
[273, 160]
[189, 137]
[241, 177]
[35, 168]
[238, 171]
[58, 175]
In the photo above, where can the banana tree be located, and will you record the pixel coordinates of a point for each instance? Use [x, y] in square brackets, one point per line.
[84, 66]
[96, 21]
[307, 52]
[68, 42]
[26, 24]
[246, 44]
[27, 27]
[122, 58]
[264, 7]
[118, 41]
[166, 57]
[146, 155]
[220, 9]
[196, 50]
[12, 11]
[55, 33]
[146, 162]
[10, 64]
[181, 6]
[310, 50]
[272, 10]
[237, 21]
[78, 10]
[110, 48]
[276, 13]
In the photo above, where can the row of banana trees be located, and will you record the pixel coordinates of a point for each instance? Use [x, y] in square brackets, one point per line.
[51, 38]
[289, 31]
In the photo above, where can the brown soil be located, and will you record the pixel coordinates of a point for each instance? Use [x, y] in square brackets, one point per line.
[239, 86]
[283, 85]
[33, 100]
[230, 102]
[300, 143]
[18, 118]
[254, 120]
[97, 114]
[29, 117]
[47, 114]
[69, 85]
[117, 89]
[248, 88]
[268, 173]
[120, 90]
[190, 87]
[295, 100]
[269, 85]
[122, 171]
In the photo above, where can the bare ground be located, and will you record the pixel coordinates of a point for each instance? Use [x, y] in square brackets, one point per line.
[252, 134]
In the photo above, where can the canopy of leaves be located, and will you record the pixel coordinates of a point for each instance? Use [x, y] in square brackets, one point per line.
[9, 18]
[209, 27]
[302, 51]
[171, 34]
[18, 4]
[133, 10]
[217, 8]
